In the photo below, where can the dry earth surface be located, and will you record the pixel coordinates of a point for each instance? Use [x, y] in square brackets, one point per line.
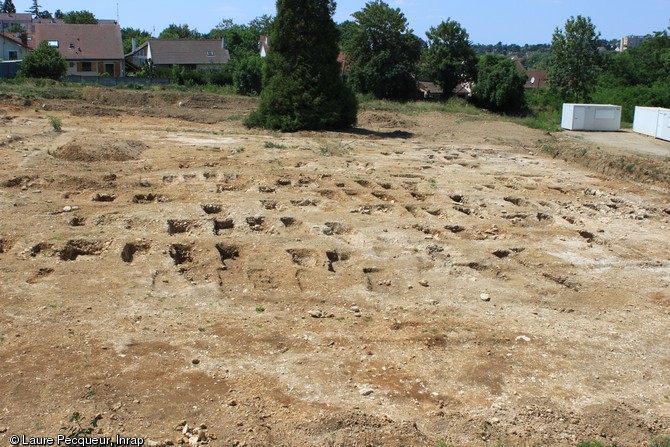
[423, 277]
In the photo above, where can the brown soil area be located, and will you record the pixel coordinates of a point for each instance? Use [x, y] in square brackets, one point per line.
[419, 278]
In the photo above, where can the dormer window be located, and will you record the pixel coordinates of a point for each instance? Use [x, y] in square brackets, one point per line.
[53, 43]
[210, 53]
[71, 46]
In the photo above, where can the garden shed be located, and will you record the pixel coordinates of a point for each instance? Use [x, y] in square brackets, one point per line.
[652, 121]
[599, 117]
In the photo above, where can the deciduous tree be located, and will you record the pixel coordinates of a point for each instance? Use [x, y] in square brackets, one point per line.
[128, 34]
[303, 87]
[175, 32]
[500, 86]
[575, 61]
[381, 52]
[450, 58]
[246, 65]
[80, 18]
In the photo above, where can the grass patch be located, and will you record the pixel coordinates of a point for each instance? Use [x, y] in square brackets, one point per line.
[33, 89]
[453, 105]
[326, 152]
[260, 309]
[77, 428]
[541, 120]
[56, 123]
[273, 145]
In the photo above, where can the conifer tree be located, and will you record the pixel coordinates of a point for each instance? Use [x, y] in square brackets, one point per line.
[35, 9]
[8, 7]
[303, 86]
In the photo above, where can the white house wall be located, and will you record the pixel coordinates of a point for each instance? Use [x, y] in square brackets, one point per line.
[9, 46]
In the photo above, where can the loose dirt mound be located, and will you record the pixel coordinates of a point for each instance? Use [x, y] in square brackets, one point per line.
[85, 150]
[384, 119]
[115, 97]
[94, 111]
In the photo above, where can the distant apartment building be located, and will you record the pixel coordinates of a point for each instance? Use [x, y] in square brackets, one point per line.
[630, 42]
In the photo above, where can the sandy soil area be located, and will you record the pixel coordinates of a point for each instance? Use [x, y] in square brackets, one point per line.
[420, 278]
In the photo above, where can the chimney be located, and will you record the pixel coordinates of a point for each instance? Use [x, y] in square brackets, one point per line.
[224, 45]
[134, 43]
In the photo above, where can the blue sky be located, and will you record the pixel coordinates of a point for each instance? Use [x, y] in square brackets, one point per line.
[487, 21]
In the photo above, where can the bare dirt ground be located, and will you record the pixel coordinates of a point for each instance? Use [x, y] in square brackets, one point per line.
[419, 278]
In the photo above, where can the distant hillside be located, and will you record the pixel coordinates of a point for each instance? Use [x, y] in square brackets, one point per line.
[533, 57]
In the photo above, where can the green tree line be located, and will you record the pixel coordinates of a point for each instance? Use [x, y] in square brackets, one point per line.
[382, 57]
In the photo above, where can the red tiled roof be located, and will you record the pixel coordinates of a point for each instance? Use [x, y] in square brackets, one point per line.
[430, 87]
[81, 42]
[186, 51]
[537, 79]
[17, 17]
[12, 37]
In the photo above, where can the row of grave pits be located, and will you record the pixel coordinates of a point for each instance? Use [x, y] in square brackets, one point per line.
[182, 255]
[254, 223]
[613, 204]
[609, 201]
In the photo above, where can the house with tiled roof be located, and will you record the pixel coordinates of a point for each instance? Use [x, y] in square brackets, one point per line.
[7, 19]
[534, 78]
[188, 53]
[90, 50]
[14, 46]
[264, 45]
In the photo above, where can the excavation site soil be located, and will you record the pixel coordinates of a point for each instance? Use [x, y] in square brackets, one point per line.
[169, 274]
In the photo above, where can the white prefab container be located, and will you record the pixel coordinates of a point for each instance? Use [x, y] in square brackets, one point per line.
[646, 120]
[603, 117]
[663, 129]
[652, 121]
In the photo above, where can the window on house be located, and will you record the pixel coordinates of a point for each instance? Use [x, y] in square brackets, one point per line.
[86, 66]
[71, 64]
[13, 55]
[53, 43]
[210, 53]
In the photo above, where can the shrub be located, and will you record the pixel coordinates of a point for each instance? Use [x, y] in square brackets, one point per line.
[248, 75]
[44, 62]
[56, 123]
